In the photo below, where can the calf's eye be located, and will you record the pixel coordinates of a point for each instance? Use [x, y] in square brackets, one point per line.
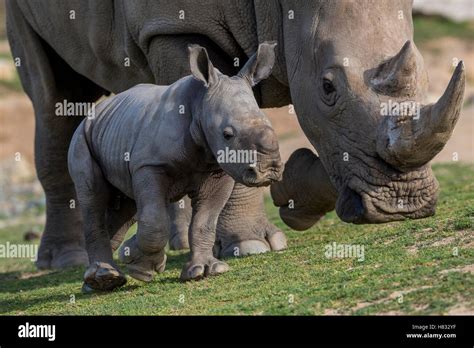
[228, 133]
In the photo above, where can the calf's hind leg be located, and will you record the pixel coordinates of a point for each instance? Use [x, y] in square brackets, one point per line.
[144, 253]
[93, 192]
[120, 216]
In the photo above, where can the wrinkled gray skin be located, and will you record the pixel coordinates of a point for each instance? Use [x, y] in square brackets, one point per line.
[388, 156]
[169, 155]
[360, 54]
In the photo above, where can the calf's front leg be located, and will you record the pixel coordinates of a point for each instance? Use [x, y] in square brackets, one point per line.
[207, 204]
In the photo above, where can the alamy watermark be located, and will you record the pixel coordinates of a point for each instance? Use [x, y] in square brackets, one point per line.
[237, 156]
[344, 251]
[37, 331]
[20, 251]
[67, 108]
[405, 108]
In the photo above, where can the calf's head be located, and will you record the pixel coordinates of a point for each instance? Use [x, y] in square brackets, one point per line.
[237, 132]
[358, 84]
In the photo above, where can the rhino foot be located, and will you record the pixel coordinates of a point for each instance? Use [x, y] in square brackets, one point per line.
[61, 256]
[199, 268]
[102, 276]
[139, 265]
[275, 242]
[243, 227]
[245, 248]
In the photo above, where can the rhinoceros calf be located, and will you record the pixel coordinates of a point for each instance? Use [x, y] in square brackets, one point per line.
[156, 144]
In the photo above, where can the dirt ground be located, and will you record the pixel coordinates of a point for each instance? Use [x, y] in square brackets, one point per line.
[17, 120]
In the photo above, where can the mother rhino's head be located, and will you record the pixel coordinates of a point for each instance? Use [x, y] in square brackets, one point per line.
[358, 84]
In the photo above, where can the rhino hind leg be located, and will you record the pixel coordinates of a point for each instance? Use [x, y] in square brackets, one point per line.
[144, 253]
[243, 227]
[48, 80]
[140, 265]
[94, 194]
[180, 215]
[120, 216]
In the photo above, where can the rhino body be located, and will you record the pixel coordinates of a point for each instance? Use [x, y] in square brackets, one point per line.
[336, 61]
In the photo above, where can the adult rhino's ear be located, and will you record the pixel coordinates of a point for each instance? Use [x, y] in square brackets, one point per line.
[260, 65]
[201, 66]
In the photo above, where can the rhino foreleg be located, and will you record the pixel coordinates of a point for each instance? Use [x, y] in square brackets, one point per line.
[93, 192]
[207, 204]
[243, 227]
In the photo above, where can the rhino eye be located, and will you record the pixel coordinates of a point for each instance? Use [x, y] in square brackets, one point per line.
[228, 133]
[328, 87]
[329, 94]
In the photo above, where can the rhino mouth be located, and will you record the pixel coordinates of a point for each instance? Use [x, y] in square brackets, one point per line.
[266, 171]
[350, 207]
[410, 195]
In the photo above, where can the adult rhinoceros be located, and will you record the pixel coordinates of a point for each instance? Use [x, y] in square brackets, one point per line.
[338, 62]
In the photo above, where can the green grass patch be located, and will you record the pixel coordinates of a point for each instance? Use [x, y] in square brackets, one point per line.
[434, 27]
[12, 85]
[410, 267]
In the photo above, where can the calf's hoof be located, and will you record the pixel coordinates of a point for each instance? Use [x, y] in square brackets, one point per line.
[102, 276]
[142, 271]
[198, 269]
[139, 265]
[61, 256]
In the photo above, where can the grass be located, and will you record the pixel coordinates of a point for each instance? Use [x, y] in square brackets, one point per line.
[410, 267]
[434, 27]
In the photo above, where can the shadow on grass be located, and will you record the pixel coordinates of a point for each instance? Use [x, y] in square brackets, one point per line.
[176, 261]
[25, 304]
[12, 282]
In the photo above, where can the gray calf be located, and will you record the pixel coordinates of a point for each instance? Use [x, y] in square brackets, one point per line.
[150, 146]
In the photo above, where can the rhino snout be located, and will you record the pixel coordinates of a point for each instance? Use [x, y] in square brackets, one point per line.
[410, 195]
[266, 140]
[264, 173]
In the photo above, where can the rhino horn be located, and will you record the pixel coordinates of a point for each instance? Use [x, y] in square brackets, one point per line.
[412, 141]
[397, 76]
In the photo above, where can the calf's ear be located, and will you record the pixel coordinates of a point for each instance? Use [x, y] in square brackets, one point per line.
[260, 65]
[201, 66]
